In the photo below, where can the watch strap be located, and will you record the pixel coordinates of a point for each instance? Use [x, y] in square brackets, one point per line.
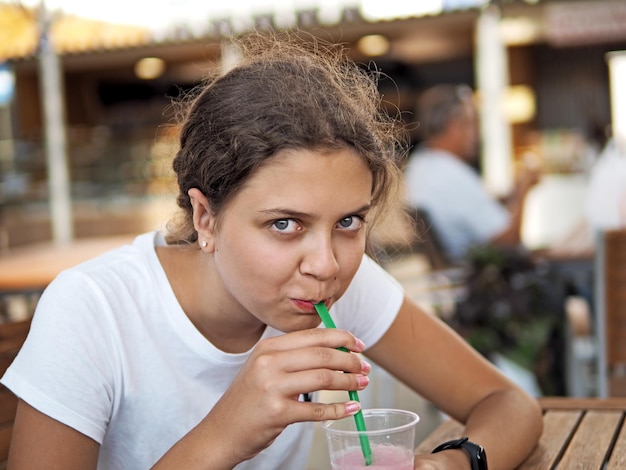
[476, 453]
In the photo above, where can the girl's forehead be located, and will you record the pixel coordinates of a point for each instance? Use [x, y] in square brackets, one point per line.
[303, 162]
[306, 175]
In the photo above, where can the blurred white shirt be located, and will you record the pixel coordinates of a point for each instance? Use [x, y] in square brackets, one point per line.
[462, 211]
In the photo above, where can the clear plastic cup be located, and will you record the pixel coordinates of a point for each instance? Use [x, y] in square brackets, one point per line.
[391, 436]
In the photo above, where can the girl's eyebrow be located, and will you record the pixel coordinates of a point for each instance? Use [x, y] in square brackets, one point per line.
[283, 212]
[280, 212]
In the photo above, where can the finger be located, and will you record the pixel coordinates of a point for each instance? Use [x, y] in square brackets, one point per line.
[303, 411]
[290, 373]
[273, 365]
[322, 379]
[329, 337]
[322, 357]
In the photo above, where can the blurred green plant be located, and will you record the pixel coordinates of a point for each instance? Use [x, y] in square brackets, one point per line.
[511, 308]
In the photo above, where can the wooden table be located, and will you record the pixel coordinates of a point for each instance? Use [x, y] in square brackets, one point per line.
[26, 271]
[587, 433]
[34, 266]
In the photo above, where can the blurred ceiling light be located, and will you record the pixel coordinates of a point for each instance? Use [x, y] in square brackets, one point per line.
[431, 48]
[375, 10]
[519, 104]
[373, 45]
[149, 68]
[519, 31]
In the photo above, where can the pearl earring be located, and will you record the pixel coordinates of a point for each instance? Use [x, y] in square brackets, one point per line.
[203, 243]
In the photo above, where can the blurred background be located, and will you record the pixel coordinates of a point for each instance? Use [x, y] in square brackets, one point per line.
[87, 131]
[86, 134]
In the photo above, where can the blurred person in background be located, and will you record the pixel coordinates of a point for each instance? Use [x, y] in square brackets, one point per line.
[442, 180]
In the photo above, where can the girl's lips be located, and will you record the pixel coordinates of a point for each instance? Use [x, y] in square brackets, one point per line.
[307, 306]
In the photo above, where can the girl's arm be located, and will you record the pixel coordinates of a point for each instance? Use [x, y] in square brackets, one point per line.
[258, 405]
[39, 441]
[428, 356]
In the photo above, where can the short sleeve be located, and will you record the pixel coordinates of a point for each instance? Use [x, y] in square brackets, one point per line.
[64, 367]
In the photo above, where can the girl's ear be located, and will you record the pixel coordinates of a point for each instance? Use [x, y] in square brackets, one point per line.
[203, 220]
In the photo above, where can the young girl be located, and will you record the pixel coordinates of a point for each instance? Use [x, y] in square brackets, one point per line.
[193, 349]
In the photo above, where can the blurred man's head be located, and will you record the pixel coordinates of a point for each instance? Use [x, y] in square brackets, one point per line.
[447, 120]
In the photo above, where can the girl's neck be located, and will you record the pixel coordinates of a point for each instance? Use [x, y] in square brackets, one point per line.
[202, 297]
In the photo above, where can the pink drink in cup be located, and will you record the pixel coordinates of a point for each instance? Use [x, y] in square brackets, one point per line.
[391, 434]
[384, 458]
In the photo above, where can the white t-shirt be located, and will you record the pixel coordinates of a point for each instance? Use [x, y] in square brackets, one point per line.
[112, 354]
[463, 213]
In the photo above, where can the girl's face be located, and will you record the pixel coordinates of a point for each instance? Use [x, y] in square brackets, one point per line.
[294, 235]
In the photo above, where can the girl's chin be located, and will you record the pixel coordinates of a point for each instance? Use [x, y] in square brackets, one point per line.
[304, 323]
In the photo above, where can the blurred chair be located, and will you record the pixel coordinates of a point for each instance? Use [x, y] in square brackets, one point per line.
[427, 241]
[610, 303]
[444, 284]
[12, 336]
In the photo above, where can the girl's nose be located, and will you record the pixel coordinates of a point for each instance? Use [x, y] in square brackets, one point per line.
[320, 261]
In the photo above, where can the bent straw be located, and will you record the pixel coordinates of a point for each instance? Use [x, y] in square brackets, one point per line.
[322, 311]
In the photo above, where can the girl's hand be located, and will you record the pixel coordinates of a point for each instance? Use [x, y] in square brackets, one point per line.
[454, 459]
[264, 397]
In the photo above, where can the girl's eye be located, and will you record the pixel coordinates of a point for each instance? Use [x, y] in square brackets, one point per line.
[352, 222]
[286, 225]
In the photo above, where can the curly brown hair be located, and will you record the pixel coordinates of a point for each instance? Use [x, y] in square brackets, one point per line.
[285, 92]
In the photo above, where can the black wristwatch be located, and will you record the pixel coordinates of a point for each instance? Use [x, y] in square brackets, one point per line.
[476, 453]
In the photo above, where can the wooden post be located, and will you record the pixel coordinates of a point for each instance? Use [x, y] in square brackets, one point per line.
[52, 98]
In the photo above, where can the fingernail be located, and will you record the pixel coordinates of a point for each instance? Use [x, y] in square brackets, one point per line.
[353, 407]
[362, 381]
[365, 367]
[360, 344]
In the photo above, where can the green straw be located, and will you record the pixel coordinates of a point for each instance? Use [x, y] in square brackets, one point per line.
[322, 311]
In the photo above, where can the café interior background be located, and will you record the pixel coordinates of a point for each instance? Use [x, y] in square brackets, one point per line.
[86, 122]
[86, 132]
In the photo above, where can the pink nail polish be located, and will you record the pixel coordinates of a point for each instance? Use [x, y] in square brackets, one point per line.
[362, 380]
[360, 344]
[365, 367]
[353, 407]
